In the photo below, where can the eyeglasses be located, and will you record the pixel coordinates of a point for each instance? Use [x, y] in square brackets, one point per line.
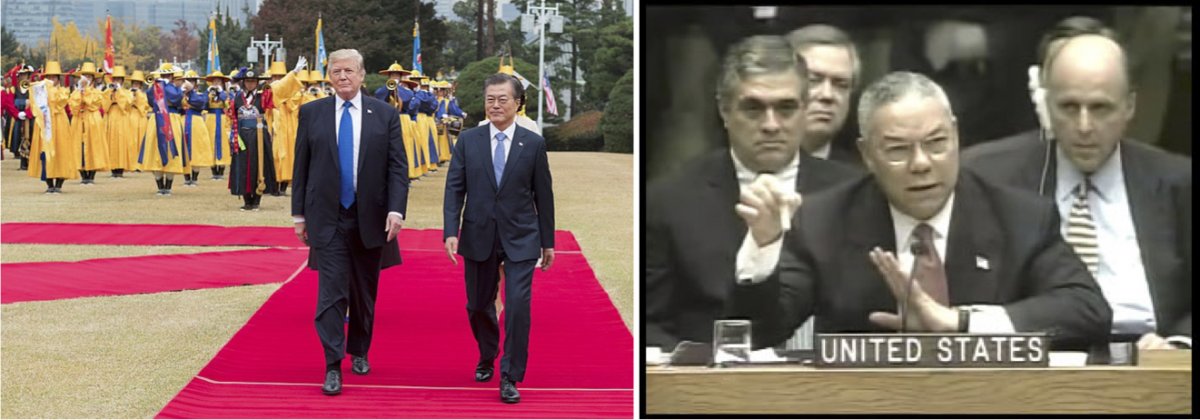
[500, 100]
[903, 152]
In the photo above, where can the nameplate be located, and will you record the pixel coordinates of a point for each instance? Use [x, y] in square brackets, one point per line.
[932, 350]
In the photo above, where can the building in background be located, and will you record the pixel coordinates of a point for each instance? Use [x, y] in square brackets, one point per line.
[29, 20]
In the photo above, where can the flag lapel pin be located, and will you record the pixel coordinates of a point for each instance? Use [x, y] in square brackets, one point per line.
[982, 263]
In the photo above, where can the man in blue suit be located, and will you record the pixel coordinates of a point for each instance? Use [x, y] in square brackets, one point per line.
[351, 191]
[502, 172]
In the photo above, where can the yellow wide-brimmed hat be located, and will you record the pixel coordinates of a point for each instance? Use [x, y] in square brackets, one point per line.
[52, 69]
[216, 74]
[395, 68]
[190, 75]
[88, 69]
[277, 69]
[119, 71]
[137, 77]
[314, 76]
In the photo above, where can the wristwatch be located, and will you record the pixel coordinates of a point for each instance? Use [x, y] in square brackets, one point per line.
[964, 320]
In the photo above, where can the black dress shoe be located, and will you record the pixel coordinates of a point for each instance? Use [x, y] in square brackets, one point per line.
[508, 391]
[333, 382]
[361, 367]
[483, 371]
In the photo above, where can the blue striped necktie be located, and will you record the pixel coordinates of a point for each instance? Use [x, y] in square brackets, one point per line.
[346, 155]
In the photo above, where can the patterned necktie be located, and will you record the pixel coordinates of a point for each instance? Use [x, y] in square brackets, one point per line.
[930, 273]
[498, 157]
[346, 155]
[1081, 229]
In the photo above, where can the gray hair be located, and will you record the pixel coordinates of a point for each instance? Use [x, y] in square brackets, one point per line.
[348, 53]
[755, 56]
[892, 88]
[821, 34]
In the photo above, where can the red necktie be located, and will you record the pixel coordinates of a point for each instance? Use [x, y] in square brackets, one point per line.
[929, 272]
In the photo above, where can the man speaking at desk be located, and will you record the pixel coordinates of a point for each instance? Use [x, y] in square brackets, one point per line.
[986, 258]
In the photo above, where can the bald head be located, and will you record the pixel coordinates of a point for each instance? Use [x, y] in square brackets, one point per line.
[1089, 99]
[1088, 56]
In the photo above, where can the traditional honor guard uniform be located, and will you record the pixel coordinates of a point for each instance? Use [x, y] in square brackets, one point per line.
[312, 87]
[162, 147]
[120, 124]
[443, 135]
[138, 117]
[399, 95]
[87, 125]
[197, 140]
[286, 98]
[56, 155]
[217, 123]
[455, 117]
[18, 131]
[426, 128]
[252, 172]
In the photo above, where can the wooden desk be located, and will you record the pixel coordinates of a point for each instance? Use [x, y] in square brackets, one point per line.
[799, 390]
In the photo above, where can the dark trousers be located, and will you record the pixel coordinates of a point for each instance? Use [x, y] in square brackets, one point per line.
[348, 277]
[482, 280]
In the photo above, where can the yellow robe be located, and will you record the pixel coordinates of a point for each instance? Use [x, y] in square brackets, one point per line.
[407, 130]
[120, 128]
[88, 129]
[287, 93]
[149, 152]
[200, 154]
[443, 139]
[425, 131]
[220, 142]
[62, 153]
[137, 117]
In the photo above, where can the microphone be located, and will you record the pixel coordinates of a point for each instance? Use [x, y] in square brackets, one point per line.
[918, 249]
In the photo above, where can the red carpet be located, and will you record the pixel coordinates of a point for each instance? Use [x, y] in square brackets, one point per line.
[423, 354]
[201, 235]
[25, 282]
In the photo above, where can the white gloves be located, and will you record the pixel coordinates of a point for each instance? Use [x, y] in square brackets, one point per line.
[21, 115]
[301, 64]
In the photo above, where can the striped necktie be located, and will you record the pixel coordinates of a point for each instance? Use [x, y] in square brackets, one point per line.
[1081, 229]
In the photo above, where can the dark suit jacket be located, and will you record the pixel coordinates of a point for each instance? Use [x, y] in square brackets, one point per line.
[849, 156]
[692, 238]
[521, 209]
[1159, 187]
[382, 173]
[824, 268]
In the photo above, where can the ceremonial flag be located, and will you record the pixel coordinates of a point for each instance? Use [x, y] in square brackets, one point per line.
[550, 106]
[41, 104]
[214, 52]
[417, 48]
[321, 56]
[524, 82]
[108, 45]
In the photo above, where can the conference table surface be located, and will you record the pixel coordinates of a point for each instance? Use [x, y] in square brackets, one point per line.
[1145, 389]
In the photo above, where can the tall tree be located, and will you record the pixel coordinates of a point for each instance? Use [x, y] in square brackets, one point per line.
[612, 58]
[232, 40]
[479, 13]
[180, 43]
[380, 30]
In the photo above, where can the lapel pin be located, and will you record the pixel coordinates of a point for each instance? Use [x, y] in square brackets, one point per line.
[520, 144]
[982, 263]
[369, 111]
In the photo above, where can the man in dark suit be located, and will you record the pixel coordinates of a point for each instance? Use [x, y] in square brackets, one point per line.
[502, 173]
[691, 233]
[834, 70]
[1132, 225]
[1006, 268]
[351, 191]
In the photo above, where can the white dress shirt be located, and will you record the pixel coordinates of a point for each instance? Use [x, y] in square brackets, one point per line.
[823, 151]
[508, 139]
[1121, 272]
[356, 111]
[755, 264]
